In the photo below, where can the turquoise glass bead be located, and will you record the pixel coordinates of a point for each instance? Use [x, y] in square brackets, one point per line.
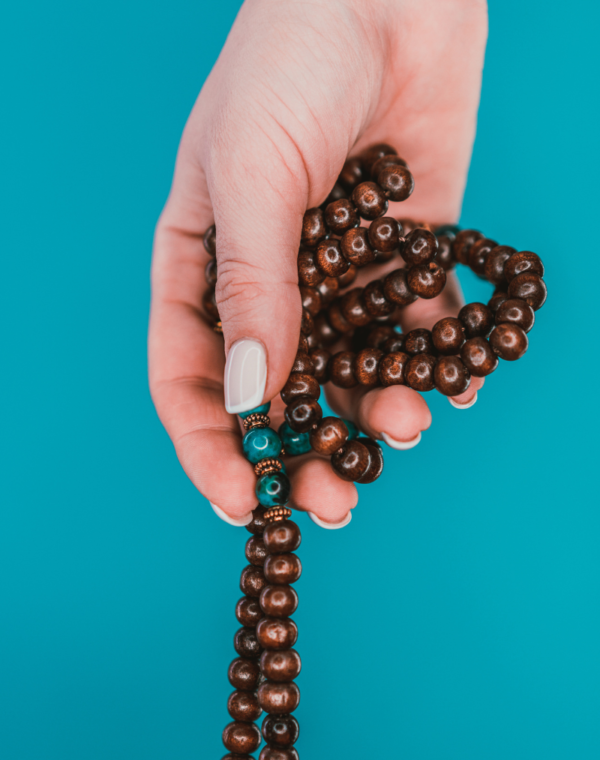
[263, 409]
[294, 443]
[451, 230]
[273, 489]
[261, 443]
[353, 431]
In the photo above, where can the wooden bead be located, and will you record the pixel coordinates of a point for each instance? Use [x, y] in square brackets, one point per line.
[353, 173]
[530, 288]
[320, 358]
[303, 343]
[385, 161]
[396, 182]
[366, 366]
[374, 300]
[418, 373]
[248, 611]
[374, 153]
[210, 241]
[282, 537]
[313, 227]
[283, 568]
[378, 335]
[495, 261]
[353, 308]
[323, 333]
[375, 466]
[351, 461]
[302, 413]
[426, 280]
[309, 273]
[258, 522]
[444, 253]
[419, 341]
[451, 377]
[278, 601]
[396, 290]
[338, 192]
[478, 357]
[369, 198]
[210, 305]
[509, 342]
[277, 753]
[499, 297]
[462, 243]
[280, 730]
[384, 234]
[244, 706]
[329, 435]
[348, 278]
[252, 580]
[303, 364]
[341, 216]
[256, 552]
[356, 247]
[328, 290]
[276, 633]
[329, 258]
[278, 698]
[336, 319]
[517, 312]
[391, 368]
[448, 336]
[306, 324]
[477, 319]
[420, 247]
[244, 674]
[210, 273]
[242, 738]
[281, 666]
[311, 300]
[381, 257]
[246, 643]
[300, 385]
[524, 261]
[393, 344]
[478, 254]
[341, 369]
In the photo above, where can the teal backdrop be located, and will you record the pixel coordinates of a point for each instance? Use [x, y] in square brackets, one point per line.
[458, 616]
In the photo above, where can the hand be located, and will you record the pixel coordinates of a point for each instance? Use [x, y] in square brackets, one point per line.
[298, 86]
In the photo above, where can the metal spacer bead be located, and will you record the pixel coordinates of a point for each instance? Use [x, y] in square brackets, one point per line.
[267, 465]
[218, 327]
[256, 420]
[277, 514]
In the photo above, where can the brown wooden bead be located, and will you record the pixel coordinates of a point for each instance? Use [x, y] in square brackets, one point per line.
[396, 290]
[478, 357]
[281, 666]
[418, 373]
[499, 297]
[451, 377]
[329, 258]
[384, 234]
[426, 280]
[309, 273]
[353, 308]
[524, 261]
[303, 343]
[242, 738]
[495, 261]
[391, 368]
[302, 413]
[328, 290]
[244, 706]
[210, 304]
[477, 319]
[323, 333]
[478, 254]
[282, 537]
[366, 366]
[420, 247]
[341, 369]
[529, 287]
[348, 278]
[509, 342]
[516, 311]
[462, 243]
[280, 730]
[306, 325]
[448, 335]
[375, 466]
[248, 611]
[311, 300]
[300, 385]
[374, 153]
[246, 643]
[394, 344]
[244, 674]
[336, 319]
[278, 753]
[279, 698]
[313, 227]
[278, 601]
[210, 241]
[385, 161]
[419, 341]
[258, 522]
[396, 182]
[303, 364]
[338, 192]
[444, 253]
[320, 358]
[356, 247]
[341, 216]
[236, 756]
[256, 552]
[353, 173]
[370, 199]
[210, 273]
[328, 436]
[379, 334]
[283, 568]
[351, 461]
[381, 257]
[375, 301]
[276, 633]
[252, 581]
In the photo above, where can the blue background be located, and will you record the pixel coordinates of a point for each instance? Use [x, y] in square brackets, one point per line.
[458, 615]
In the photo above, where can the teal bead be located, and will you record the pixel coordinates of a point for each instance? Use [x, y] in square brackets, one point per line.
[263, 409]
[273, 489]
[294, 443]
[353, 431]
[451, 230]
[261, 443]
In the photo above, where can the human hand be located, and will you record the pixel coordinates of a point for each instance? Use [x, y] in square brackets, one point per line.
[298, 86]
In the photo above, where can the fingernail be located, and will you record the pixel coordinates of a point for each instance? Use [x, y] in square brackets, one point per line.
[401, 445]
[237, 523]
[463, 406]
[328, 525]
[245, 375]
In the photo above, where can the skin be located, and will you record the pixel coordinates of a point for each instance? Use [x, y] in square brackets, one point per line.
[298, 87]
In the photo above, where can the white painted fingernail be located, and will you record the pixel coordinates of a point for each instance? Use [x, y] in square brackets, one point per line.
[401, 445]
[328, 525]
[463, 406]
[245, 375]
[237, 523]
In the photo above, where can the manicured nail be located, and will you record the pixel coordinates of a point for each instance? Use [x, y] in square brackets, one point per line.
[328, 525]
[239, 523]
[245, 375]
[401, 445]
[463, 406]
